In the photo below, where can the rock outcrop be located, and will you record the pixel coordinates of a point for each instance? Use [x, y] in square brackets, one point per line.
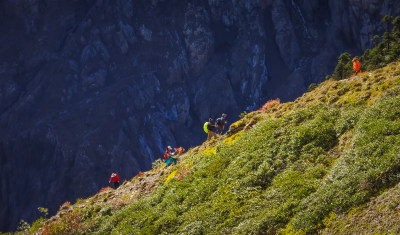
[95, 86]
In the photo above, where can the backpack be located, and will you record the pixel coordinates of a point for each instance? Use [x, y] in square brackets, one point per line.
[219, 122]
[165, 155]
[205, 127]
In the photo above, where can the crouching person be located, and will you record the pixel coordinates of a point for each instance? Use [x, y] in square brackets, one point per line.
[168, 156]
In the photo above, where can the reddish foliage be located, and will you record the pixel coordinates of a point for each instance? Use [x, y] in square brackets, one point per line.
[105, 189]
[183, 173]
[270, 104]
[140, 173]
[179, 150]
[73, 223]
[65, 204]
[46, 230]
[69, 223]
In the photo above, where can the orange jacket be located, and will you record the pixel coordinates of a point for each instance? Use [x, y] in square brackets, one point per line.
[356, 65]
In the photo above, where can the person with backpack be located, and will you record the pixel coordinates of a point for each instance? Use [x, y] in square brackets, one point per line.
[356, 66]
[209, 128]
[115, 179]
[168, 156]
[221, 122]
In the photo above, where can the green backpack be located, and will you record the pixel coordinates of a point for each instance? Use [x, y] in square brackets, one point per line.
[205, 127]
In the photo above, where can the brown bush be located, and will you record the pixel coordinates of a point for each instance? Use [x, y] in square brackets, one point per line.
[179, 150]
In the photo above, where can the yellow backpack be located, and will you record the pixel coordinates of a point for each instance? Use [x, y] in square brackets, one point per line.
[205, 127]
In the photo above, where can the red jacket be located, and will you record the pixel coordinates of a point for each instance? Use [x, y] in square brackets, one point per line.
[114, 179]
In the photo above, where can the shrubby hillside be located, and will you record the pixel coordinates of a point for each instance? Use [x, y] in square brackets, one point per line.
[94, 86]
[329, 162]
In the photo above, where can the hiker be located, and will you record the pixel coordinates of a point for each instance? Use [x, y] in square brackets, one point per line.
[221, 122]
[168, 156]
[211, 129]
[356, 66]
[114, 178]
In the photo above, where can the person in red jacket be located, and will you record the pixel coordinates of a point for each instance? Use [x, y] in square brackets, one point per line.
[356, 66]
[114, 178]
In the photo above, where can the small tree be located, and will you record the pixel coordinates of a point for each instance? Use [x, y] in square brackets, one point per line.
[396, 37]
[387, 19]
[396, 27]
[376, 57]
[44, 211]
[23, 226]
[375, 40]
[387, 38]
[344, 67]
[365, 59]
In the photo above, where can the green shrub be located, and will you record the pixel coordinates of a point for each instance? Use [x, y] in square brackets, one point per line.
[311, 87]
[371, 164]
[344, 67]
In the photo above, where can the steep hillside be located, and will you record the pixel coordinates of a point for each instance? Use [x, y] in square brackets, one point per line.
[379, 216]
[94, 86]
[327, 162]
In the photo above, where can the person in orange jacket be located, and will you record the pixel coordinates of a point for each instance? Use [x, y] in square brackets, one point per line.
[114, 178]
[356, 66]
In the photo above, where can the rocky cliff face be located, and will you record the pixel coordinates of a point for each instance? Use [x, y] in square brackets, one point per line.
[90, 87]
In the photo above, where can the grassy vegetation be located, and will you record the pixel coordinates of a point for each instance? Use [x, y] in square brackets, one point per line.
[313, 165]
[380, 216]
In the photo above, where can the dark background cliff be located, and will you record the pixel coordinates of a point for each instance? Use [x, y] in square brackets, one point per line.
[91, 87]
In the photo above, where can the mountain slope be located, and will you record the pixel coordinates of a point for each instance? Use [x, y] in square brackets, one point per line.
[94, 86]
[299, 167]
